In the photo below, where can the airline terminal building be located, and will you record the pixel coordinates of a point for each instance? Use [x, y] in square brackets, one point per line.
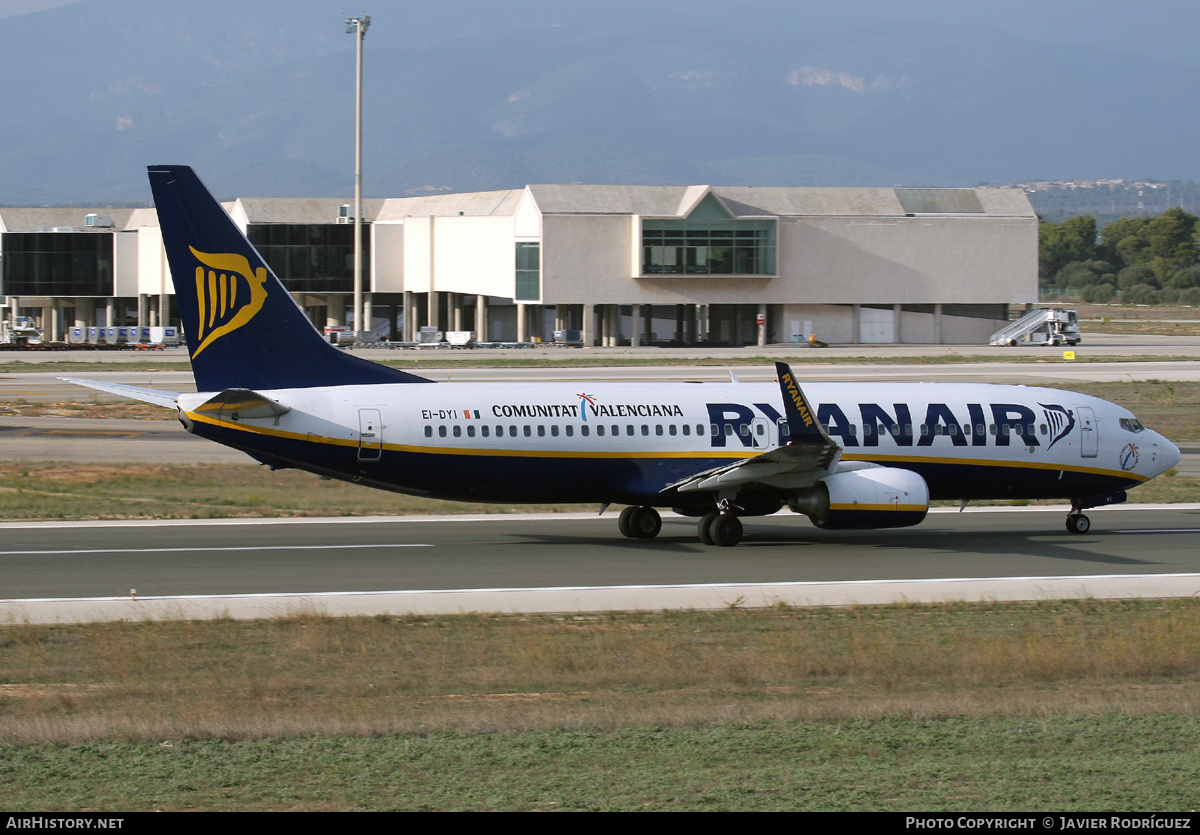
[602, 265]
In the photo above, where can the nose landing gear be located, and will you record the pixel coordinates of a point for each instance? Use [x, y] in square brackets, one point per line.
[1077, 522]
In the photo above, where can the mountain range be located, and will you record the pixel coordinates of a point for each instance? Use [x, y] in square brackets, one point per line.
[465, 95]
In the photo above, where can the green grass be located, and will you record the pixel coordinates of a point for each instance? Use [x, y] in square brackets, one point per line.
[1062, 705]
[1132, 764]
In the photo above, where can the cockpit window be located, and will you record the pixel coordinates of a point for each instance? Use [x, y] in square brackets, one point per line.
[1131, 424]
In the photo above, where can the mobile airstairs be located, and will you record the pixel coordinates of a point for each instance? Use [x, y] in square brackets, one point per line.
[1041, 326]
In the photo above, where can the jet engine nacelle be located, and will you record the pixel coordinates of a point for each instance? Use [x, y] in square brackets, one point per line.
[877, 497]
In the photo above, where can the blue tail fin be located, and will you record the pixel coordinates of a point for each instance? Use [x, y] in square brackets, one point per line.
[243, 329]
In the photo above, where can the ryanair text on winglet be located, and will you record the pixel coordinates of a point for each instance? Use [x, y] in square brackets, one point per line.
[794, 392]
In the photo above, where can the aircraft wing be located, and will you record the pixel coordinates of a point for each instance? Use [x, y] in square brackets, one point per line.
[158, 397]
[808, 454]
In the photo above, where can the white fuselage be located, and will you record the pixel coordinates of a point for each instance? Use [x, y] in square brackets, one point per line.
[626, 442]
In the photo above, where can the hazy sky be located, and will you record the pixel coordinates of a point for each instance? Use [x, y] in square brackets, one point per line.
[1159, 28]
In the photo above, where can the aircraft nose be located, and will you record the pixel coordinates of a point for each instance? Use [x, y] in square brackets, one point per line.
[1168, 454]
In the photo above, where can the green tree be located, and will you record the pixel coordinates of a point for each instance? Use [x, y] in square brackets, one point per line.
[1131, 277]
[1082, 274]
[1098, 293]
[1061, 243]
[1168, 242]
[1185, 278]
[1140, 294]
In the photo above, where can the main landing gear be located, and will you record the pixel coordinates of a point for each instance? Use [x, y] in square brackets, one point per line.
[1077, 522]
[639, 522]
[721, 528]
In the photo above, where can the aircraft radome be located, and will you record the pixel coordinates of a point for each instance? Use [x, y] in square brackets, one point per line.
[845, 455]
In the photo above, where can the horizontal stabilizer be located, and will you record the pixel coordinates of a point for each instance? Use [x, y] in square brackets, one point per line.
[166, 399]
[241, 404]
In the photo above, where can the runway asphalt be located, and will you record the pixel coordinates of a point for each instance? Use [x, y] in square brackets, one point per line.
[52, 572]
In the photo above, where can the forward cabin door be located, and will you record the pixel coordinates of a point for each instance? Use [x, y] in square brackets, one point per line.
[370, 435]
[1089, 433]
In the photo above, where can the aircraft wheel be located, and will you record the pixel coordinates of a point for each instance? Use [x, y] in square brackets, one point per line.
[645, 522]
[1078, 523]
[703, 528]
[725, 530]
[625, 522]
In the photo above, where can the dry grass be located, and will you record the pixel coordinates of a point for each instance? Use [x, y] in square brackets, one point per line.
[308, 674]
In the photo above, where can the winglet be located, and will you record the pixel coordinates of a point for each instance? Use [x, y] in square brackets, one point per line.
[803, 426]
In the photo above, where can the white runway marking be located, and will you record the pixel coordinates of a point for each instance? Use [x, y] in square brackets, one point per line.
[205, 550]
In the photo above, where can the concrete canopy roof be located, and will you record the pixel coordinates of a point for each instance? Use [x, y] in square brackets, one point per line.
[302, 209]
[38, 219]
[751, 201]
[473, 204]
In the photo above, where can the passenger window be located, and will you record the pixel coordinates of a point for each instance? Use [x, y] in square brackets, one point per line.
[687, 429]
[512, 431]
[554, 430]
[457, 431]
[528, 431]
[584, 430]
[570, 430]
[600, 431]
[629, 429]
[470, 430]
[483, 430]
[646, 429]
[658, 429]
[428, 431]
[673, 429]
[541, 431]
[441, 431]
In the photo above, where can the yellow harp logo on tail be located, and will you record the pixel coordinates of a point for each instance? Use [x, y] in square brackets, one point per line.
[228, 293]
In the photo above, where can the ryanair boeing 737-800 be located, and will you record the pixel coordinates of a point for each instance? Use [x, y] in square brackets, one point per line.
[845, 455]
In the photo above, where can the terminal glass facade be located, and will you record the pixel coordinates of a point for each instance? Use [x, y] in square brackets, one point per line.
[697, 246]
[311, 257]
[529, 271]
[57, 264]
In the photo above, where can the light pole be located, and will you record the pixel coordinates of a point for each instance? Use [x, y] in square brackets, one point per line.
[357, 26]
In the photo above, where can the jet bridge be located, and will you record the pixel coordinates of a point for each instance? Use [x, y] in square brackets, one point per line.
[1041, 326]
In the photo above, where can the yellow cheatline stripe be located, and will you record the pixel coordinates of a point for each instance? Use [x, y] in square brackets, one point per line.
[240, 404]
[898, 508]
[892, 460]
